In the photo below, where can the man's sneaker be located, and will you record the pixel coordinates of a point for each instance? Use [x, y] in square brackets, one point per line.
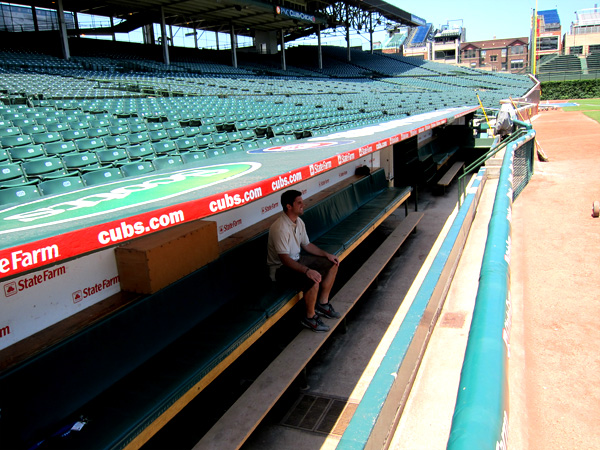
[326, 310]
[314, 324]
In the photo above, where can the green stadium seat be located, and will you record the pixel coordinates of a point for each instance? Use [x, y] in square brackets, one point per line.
[43, 168]
[234, 136]
[154, 126]
[142, 151]
[26, 152]
[114, 156]
[46, 120]
[119, 121]
[60, 148]
[137, 168]
[99, 123]
[217, 151]
[72, 135]
[101, 176]
[171, 124]
[3, 155]
[167, 162]
[82, 161]
[248, 134]
[233, 148]
[204, 140]
[185, 143]
[164, 147]
[192, 157]
[263, 143]
[33, 129]
[89, 144]
[93, 133]
[249, 146]
[220, 138]
[10, 171]
[23, 122]
[44, 138]
[16, 140]
[79, 125]
[119, 129]
[115, 141]
[191, 131]
[138, 127]
[158, 135]
[19, 194]
[139, 137]
[175, 133]
[60, 185]
[10, 131]
[208, 129]
[52, 127]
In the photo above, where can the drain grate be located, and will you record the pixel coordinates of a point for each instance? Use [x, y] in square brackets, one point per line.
[319, 414]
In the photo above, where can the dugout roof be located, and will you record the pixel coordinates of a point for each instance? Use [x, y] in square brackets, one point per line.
[247, 16]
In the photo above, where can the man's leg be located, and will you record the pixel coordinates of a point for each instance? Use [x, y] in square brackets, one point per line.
[327, 284]
[310, 299]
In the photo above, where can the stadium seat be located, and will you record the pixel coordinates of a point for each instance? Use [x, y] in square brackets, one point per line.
[9, 172]
[192, 157]
[167, 162]
[191, 131]
[164, 147]
[139, 137]
[175, 133]
[93, 133]
[89, 144]
[52, 127]
[158, 135]
[142, 151]
[44, 167]
[19, 194]
[232, 148]
[44, 138]
[101, 176]
[60, 148]
[16, 140]
[137, 168]
[33, 129]
[118, 129]
[220, 138]
[114, 156]
[204, 140]
[9, 131]
[3, 155]
[60, 185]
[217, 151]
[26, 152]
[71, 135]
[184, 144]
[79, 125]
[249, 146]
[81, 161]
[115, 141]
[138, 127]
[208, 129]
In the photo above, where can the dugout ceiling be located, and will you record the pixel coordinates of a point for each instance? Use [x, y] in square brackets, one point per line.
[248, 16]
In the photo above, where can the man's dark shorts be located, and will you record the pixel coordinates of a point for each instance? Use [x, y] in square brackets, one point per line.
[298, 280]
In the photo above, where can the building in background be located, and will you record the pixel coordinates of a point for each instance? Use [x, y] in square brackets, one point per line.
[584, 36]
[549, 34]
[445, 46]
[497, 55]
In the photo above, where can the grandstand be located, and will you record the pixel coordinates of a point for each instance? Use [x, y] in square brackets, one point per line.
[91, 131]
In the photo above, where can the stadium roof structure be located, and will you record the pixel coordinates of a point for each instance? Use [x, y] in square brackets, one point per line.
[248, 16]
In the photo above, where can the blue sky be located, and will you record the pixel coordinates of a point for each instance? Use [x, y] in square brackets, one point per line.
[484, 20]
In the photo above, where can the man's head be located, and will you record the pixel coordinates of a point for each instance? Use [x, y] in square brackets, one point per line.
[291, 202]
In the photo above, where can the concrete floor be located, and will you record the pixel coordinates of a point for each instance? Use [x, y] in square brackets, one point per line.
[345, 365]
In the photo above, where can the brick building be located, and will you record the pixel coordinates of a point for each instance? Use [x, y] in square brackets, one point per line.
[497, 55]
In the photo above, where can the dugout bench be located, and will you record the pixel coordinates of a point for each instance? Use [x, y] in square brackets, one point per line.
[132, 371]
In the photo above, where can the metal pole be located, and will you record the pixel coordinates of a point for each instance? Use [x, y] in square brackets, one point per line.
[163, 34]
[62, 30]
[283, 65]
[233, 46]
[319, 49]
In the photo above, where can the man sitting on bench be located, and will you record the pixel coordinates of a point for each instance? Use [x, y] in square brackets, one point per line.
[312, 273]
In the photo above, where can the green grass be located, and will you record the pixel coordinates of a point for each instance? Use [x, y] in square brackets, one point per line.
[584, 105]
[593, 115]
